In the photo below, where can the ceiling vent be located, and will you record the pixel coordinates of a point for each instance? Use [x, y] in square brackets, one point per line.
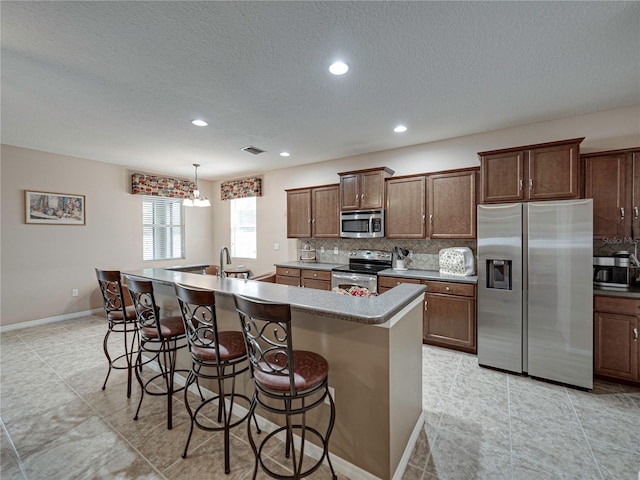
[252, 149]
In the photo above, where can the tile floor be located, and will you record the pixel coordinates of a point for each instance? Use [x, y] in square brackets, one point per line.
[57, 423]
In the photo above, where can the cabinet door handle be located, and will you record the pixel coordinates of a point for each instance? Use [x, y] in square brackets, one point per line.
[430, 219]
[425, 304]
[622, 213]
[520, 184]
[531, 184]
[424, 218]
[447, 289]
[362, 197]
[635, 213]
[313, 221]
[635, 334]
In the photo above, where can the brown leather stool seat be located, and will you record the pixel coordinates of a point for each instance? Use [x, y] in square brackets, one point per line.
[288, 382]
[122, 321]
[160, 339]
[219, 356]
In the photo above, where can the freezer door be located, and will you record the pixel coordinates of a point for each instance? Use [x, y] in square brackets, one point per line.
[500, 295]
[560, 291]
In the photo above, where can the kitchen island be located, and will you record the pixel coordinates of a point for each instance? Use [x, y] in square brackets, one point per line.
[374, 349]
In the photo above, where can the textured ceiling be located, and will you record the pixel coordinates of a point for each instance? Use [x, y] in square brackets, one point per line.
[119, 82]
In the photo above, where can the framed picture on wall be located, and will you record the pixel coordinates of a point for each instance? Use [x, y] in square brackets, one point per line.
[54, 208]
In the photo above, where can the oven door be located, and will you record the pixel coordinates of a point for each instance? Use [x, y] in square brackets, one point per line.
[348, 279]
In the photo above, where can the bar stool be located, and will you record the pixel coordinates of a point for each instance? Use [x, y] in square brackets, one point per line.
[158, 337]
[215, 355]
[288, 382]
[122, 320]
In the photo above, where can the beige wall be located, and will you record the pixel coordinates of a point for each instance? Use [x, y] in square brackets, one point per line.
[51, 260]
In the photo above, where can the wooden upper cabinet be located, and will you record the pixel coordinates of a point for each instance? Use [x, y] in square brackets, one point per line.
[363, 189]
[405, 207]
[502, 177]
[554, 172]
[299, 213]
[325, 217]
[605, 183]
[452, 204]
[313, 212]
[547, 171]
[612, 180]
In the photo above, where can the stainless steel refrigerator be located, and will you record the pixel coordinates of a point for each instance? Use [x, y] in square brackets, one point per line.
[535, 289]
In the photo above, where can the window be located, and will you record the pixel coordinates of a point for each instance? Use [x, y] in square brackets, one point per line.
[163, 228]
[243, 227]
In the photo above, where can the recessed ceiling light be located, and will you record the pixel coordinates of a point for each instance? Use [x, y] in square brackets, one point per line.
[199, 123]
[339, 68]
[284, 154]
[400, 129]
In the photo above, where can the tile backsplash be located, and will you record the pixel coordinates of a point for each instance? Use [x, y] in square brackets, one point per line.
[424, 253]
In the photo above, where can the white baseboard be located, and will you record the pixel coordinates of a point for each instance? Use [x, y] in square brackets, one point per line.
[404, 461]
[45, 321]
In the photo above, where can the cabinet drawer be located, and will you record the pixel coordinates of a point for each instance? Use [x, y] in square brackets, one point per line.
[317, 274]
[284, 280]
[450, 288]
[317, 284]
[288, 272]
[390, 282]
[619, 305]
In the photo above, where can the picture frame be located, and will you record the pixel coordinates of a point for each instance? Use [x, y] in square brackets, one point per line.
[54, 208]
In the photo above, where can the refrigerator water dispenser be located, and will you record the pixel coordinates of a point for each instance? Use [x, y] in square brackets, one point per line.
[499, 274]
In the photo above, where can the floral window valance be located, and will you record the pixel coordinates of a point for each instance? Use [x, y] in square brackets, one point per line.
[142, 184]
[247, 187]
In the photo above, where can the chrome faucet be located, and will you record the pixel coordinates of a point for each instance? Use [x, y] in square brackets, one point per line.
[221, 269]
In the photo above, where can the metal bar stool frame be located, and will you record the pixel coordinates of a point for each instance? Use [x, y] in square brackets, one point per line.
[161, 337]
[122, 320]
[267, 330]
[215, 355]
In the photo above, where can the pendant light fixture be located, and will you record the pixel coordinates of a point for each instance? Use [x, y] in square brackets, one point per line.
[196, 199]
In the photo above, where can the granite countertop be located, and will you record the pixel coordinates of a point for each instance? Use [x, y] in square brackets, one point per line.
[374, 310]
[428, 275]
[309, 265]
[631, 292]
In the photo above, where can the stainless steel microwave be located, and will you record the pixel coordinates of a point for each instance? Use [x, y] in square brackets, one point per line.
[362, 224]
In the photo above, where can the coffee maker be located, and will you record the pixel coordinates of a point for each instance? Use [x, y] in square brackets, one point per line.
[613, 271]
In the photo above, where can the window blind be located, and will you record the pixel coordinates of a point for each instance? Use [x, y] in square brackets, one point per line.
[163, 228]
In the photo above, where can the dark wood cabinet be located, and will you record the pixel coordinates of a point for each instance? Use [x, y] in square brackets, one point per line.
[616, 352]
[452, 204]
[612, 180]
[313, 212]
[405, 211]
[288, 276]
[363, 189]
[450, 315]
[318, 279]
[548, 171]
[299, 213]
[325, 211]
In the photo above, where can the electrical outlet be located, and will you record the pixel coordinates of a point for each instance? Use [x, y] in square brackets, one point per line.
[335, 250]
[321, 249]
[276, 246]
[74, 292]
[332, 392]
[410, 254]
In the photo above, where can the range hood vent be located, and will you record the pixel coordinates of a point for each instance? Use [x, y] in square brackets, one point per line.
[252, 149]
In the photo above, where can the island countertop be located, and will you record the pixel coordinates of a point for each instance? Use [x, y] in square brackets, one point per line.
[374, 310]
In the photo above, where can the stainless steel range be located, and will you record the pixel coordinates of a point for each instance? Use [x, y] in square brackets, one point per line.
[362, 270]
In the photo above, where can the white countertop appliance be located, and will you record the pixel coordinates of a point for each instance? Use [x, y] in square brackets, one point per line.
[362, 270]
[535, 292]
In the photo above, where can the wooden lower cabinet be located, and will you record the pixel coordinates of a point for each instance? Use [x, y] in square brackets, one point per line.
[309, 278]
[288, 276]
[616, 324]
[318, 279]
[449, 318]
